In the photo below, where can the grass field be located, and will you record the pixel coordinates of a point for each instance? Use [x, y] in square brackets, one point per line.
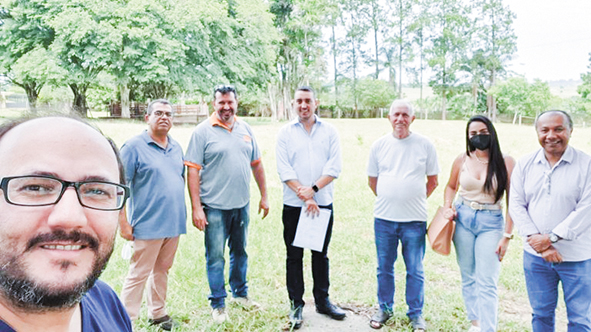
[352, 250]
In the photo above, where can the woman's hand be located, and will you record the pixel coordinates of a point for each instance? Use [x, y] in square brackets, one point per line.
[449, 213]
[502, 248]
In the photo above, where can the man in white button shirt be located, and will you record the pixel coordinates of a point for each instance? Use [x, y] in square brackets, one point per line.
[550, 203]
[308, 160]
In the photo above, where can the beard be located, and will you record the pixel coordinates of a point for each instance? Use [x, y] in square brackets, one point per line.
[29, 295]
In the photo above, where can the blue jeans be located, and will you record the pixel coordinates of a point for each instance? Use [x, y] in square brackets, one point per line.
[412, 237]
[542, 278]
[477, 235]
[222, 226]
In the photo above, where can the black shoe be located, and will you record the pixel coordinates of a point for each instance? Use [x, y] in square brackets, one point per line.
[165, 323]
[331, 311]
[295, 317]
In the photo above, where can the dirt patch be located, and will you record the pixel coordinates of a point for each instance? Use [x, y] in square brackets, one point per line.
[357, 320]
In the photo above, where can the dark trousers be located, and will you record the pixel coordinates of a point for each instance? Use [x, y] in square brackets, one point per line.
[294, 266]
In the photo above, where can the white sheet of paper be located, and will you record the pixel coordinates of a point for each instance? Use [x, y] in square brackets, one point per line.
[311, 231]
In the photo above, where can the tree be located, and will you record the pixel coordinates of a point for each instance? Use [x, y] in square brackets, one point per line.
[398, 46]
[356, 30]
[585, 88]
[495, 44]
[299, 56]
[449, 45]
[24, 38]
[517, 96]
[375, 94]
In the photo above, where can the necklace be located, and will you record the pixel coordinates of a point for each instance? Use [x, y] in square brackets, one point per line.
[480, 161]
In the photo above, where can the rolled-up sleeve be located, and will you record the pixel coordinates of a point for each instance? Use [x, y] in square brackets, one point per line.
[284, 168]
[334, 164]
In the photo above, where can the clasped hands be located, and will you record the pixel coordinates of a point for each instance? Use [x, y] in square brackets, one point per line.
[306, 194]
[542, 245]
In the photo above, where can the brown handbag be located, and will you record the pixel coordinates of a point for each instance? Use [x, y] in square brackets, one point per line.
[441, 232]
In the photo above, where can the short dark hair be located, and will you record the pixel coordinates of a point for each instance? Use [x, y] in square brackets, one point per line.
[497, 170]
[157, 101]
[8, 126]
[307, 89]
[569, 120]
[224, 89]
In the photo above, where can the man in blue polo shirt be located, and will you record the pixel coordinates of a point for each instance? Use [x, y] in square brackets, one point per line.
[156, 215]
[221, 154]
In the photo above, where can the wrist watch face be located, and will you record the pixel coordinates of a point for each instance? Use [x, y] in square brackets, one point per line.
[553, 237]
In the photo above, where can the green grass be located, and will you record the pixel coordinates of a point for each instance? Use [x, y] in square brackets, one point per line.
[352, 250]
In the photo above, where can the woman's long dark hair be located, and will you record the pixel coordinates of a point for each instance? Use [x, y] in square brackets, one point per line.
[497, 170]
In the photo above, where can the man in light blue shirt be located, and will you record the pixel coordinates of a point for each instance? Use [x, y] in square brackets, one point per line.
[308, 160]
[157, 216]
[550, 203]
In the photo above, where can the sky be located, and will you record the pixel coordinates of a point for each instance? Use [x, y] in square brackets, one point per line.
[553, 38]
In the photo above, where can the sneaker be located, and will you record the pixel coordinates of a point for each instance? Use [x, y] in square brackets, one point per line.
[418, 324]
[474, 329]
[246, 303]
[219, 315]
[165, 323]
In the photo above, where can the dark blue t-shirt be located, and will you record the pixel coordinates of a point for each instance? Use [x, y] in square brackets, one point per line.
[101, 311]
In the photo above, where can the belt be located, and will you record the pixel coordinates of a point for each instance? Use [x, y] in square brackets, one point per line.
[479, 206]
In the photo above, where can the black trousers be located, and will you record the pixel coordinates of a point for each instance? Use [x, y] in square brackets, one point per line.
[294, 266]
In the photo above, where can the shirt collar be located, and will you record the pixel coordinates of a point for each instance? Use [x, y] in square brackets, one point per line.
[215, 121]
[567, 156]
[296, 121]
[149, 140]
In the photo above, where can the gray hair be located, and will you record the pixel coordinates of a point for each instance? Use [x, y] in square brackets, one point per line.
[157, 101]
[566, 116]
[402, 103]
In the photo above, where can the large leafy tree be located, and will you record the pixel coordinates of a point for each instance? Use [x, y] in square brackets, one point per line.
[24, 39]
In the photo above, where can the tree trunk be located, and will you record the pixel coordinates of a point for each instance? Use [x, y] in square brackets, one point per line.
[79, 105]
[336, 73]
[124, 91]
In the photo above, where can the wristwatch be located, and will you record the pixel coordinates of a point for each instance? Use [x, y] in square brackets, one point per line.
[315, 188]
[508, 236]
[553, 238]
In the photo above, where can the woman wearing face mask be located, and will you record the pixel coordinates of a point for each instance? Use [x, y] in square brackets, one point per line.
[481, 175]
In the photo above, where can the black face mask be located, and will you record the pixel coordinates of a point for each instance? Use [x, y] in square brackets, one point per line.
[480, 142]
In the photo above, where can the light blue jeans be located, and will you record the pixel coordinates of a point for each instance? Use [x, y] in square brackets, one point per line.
[542, 278]
[476, 237]
[222, 226]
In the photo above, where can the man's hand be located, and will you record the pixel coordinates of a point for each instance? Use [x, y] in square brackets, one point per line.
[199, 219]
[539, 242]
[312, 208]
[552, 255]
[305, 193]
[264, 206]
[502, 248]
[126, 231]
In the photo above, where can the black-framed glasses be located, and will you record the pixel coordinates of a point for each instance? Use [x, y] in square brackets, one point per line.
[40, 190]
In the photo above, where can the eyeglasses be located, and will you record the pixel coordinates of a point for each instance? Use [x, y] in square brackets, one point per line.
[34, 190]
[162, 113]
